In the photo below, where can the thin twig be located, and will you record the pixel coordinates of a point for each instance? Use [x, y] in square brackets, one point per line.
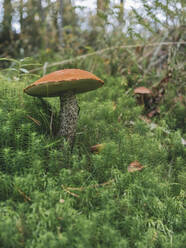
[90, 186]
[81, 57]
[26, 198]
[34, 120]
[71, 193]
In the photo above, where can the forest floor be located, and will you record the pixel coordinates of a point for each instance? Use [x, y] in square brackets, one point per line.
[129, 193]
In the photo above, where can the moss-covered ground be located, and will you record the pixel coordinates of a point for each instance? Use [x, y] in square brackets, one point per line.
[50, 197]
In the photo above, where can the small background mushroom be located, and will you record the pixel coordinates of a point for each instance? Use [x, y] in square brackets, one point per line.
[143, 94]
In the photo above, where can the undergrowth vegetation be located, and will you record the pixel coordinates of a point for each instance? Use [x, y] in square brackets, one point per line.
[124, 183]
[53, 198]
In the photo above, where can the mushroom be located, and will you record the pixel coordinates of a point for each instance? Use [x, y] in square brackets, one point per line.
[143, 93]
[65, 84]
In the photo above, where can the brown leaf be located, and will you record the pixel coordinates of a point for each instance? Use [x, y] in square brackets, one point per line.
[153, 113]
[135, 166]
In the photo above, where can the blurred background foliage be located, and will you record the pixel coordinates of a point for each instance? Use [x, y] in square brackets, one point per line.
[29, 26]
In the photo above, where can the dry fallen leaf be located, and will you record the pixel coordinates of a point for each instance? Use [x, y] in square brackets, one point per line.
[153, 112]
[135, 166]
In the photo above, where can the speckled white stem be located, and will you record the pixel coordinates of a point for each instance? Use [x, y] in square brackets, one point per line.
[69, 111]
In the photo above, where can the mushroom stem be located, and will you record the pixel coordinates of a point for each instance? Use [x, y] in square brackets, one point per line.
[69, 111]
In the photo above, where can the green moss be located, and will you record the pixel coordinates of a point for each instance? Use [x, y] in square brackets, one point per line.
[52, 198]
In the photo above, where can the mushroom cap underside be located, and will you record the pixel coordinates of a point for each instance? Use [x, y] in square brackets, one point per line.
[60, 82]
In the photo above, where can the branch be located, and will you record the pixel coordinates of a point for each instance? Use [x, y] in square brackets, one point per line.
[81, 57]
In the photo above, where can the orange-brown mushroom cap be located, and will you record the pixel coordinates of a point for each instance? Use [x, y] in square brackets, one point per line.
[142, 90]
[60, 82]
